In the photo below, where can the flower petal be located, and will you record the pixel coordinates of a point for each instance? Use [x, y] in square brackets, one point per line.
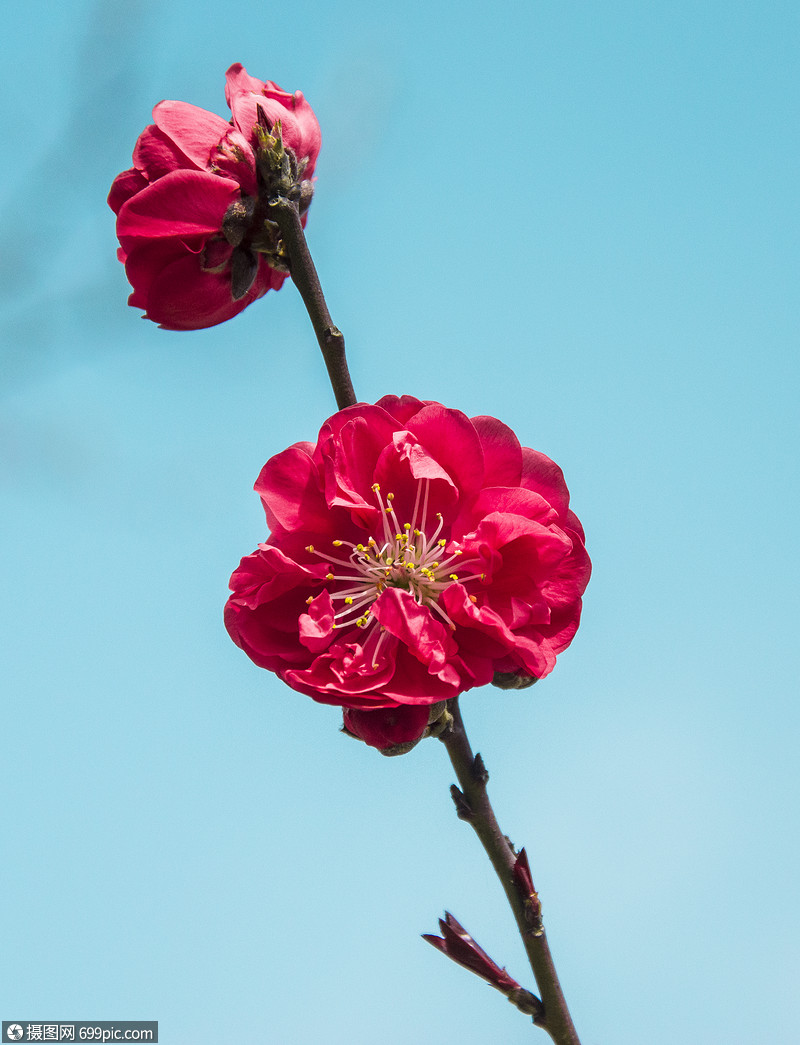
[289, 486]
[124, 186]
[450, 439]
[316, 626]
[544, 476]
[182, 204]
[246, 95]
[414, 625]
[185, 297]
[502, 453]
[156, 154]
[196, 132]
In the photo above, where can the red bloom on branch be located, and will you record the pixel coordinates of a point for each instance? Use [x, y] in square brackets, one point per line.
[191, 212]
[414, 553]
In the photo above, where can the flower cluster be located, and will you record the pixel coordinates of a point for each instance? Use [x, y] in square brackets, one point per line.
[191, 213]
[414, 553]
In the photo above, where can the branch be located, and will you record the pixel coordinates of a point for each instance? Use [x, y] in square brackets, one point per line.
[286, 215]
[472, 804]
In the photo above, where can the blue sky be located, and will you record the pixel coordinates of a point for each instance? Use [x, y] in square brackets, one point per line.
[579, 218]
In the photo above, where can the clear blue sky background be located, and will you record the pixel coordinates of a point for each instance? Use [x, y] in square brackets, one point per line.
[581, 218]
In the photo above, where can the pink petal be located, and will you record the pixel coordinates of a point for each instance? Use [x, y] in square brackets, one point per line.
[402, 408]
[239, 82]
[502, 453]
[450, 439]
[156, 154]
[196, 132]
[532, 653]
[544, 476]
[347, 675]
[147, 261]
[269, 594]
[246, 95]
[187, 204]
[316, 626]
[425, 636]
[517, 538]
[185, 297]
[514, 500]
[290, 489]
[124, 186]
[234, 158]
[347, 452]
[267, 574]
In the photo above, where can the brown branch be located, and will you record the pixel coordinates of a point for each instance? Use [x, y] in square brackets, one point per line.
[473, 805]
[285, 213]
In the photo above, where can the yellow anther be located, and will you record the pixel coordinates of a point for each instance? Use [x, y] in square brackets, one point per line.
[328, 576]
[453, 576]
[309, 600]
[441, 542]
[407, 526]
[337, 544]
[376, 487]
[309, 547]
[398, 536]
[472, 598]
[389, 496]
[359, 547]
[348, 601]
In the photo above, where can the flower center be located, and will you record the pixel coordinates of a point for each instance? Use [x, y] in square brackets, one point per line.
[404, 557]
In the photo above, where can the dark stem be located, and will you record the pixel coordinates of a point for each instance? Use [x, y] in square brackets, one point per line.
[472, 803]
[304, 276]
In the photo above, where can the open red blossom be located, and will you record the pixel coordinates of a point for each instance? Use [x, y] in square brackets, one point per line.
[414, 553]
[191, 212]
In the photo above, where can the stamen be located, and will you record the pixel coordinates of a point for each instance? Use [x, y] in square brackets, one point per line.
[397, 562]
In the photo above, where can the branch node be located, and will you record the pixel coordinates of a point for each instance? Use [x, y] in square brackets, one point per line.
[528, 1003]
[479, 770]
[463, 808]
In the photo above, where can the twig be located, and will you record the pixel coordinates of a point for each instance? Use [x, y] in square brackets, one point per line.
[472, 804]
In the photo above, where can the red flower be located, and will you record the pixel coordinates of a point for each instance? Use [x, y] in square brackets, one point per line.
[191, 212]
[414, 553]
